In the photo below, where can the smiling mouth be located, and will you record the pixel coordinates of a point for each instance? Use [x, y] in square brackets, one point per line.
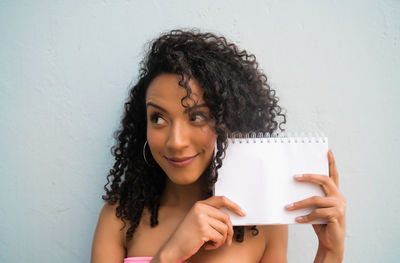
[181, 162]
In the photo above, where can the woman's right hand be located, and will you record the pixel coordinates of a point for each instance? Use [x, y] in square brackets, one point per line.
[203, 223]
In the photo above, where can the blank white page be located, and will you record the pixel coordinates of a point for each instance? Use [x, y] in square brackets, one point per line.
[258, 175]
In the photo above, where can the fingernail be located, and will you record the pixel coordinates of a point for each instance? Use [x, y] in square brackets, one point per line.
[289, 206]
[298, 175]
[299, 219]
[229, 242]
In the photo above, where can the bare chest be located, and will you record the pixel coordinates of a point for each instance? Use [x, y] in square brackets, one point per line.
[147, 241]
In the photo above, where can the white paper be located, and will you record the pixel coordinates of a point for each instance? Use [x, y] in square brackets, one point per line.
[258, 175]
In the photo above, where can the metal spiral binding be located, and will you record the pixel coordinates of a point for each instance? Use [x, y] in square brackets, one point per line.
[288, 137]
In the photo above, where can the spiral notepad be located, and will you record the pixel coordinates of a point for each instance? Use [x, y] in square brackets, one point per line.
[257, 174]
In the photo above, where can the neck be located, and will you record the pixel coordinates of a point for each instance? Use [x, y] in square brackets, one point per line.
[182, 196]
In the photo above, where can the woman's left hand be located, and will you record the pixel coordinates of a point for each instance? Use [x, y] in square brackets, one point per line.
[331, 207]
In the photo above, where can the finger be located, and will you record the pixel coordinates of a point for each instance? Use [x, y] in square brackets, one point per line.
[215, 239]
[221, 227]
[222, 201]
[326, 182]
[333, 173]
[315, 201]
[320, 213]
[212, 212]
[223, 217]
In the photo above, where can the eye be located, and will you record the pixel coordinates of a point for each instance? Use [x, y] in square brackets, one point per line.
[198, 117]
[156, 118]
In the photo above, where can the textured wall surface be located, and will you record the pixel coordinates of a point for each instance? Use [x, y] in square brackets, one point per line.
[65, 70]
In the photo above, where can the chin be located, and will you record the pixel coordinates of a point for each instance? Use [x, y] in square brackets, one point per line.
[183, 179]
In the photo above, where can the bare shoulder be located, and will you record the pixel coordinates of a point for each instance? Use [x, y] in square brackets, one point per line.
[274, 233]
[276, 239]
[108, 240]
[108, 212]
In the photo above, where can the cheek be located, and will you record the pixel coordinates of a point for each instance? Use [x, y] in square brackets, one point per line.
[209, 137]
[154, 140]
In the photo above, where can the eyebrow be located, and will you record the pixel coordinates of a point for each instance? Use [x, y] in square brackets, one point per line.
[156, 106]
[195, 107]
[164, 110]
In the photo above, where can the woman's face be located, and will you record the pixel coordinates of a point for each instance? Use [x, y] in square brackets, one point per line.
[180, 140]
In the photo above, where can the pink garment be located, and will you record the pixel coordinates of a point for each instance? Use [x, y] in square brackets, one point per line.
[138, 260]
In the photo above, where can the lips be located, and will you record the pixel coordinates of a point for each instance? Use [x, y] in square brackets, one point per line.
[181, 162]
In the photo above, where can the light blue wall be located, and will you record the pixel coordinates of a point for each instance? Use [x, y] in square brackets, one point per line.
[65, 69]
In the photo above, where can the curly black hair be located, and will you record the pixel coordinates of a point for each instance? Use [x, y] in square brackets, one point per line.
[236, 92]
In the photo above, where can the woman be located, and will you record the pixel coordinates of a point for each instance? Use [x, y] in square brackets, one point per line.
[193, 90]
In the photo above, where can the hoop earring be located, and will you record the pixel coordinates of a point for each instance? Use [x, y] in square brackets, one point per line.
[144, 154]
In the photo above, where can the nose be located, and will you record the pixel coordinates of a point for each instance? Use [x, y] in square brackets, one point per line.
[178, 137]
